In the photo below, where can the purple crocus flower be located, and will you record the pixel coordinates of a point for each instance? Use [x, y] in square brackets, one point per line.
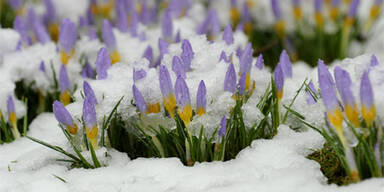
[148, 54]
[108, 36]
[343, 84]
[246, 60]
[49, 15]
[102, 63]
[63, 79]
[62, 115]
[67, 36]
[139, 100]
[163, 46]
[201, 99]
[223, 126]
[326, 86]
[230, 79]
[278, 78]
[87, 71]
[83, 22]
[166, 25]
[242, 83]
[122, 22]
[42, 66]
[228, 35]
[129, 5]
[30, 18]
[353, 8]
[286, 64]
[276, 9]
[177, 38]
[260, 62]
[165, 81]
[89, 113]
[40, 32]
[187, 54]
[368, 109]
[245, 15]
[310, 99]
[89, 93]
[138, 74]
[19, 26]
[224, 57]
[239, 52]
[10, 105]
[92, 33]
[374, 61]
[134, 24]
[183, 100]
[318, 5]
[178, 67]
[210, 25]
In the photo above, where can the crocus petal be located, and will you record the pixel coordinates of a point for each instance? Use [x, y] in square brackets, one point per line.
[178, 67]
[201, 98]
[10, 105]
[139, 100]
[103, 63]
[89, 113]
[148, 54]
[63, 79]
[67, 35]
[88, 92]
[223, 126]
[230, 79]
[165, 81]
[327, 89]
[166, 25]
[228, 35]
[187, 54]
[353, 8]
[122, 22]
[138, 74]
[286, 64]
[246, 59]
[61, 113]
[260, 62]
[182, 92]
[108, 36]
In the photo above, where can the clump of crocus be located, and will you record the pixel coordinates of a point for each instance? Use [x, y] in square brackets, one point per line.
[368, 109]
[90, 121]
[183, 100]
[64, 117]
[102, 64]
[167, 90]
[12, 117]
[65, 95]
[110, 41]
[201, 99]
[343, 84]
[280, 23]
[187, 54]
[67, 40]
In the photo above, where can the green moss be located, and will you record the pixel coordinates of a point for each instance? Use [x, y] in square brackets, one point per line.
[330, 166]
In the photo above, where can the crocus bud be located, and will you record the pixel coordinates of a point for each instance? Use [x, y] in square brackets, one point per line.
[183, 100]
[167, 90]
[368, 109]
[90, 121]
[230, 79]
[65, 96]
[201, 99]
[187, 54]
[64, 117]
[67, 39]
[102, 63]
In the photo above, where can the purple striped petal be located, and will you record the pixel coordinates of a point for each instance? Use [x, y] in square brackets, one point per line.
[62, 115]
[201, 97]
[187, 54]
[182, 92]
[165, 81]
[242, 83]
[163, 46]
[108, 36]
[40, 32]
[134, 24]
[87, 71]
[366, 91]
[286, 64]
[166, 25]
[89, 113]
[246, 59]
[102, 63]
[10, 105]
[228, 35]
[245, 15]
[63, 79]
[327, 89]
[139, 99]
[230, 79]
[353, 8]
[50, 12]
[276, 9]
[121, 20]
[19, 26]
[318, 5]
[178, 67]
[67, 35]
[223, 126]
[343, 85]
[88, 92]
[148, 54]
[278, 77]
[260, 62]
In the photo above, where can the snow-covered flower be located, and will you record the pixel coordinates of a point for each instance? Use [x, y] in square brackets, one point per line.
[64, 117]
